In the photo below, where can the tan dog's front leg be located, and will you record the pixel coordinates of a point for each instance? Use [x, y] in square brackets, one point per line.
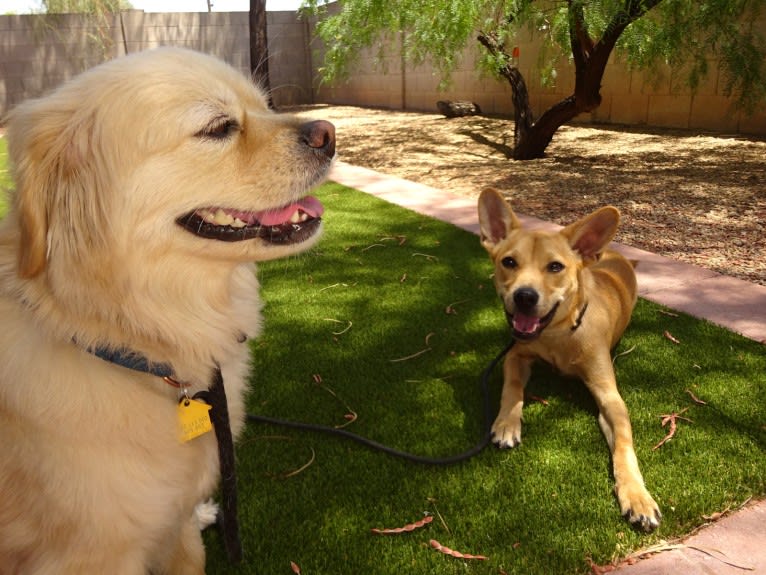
[506, 431]
[636, 504]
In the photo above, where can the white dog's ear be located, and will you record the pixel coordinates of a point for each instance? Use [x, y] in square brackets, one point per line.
[496, 218]
[591, 234]
[47, 147]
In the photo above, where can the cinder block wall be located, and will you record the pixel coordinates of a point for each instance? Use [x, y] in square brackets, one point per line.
[39, 52]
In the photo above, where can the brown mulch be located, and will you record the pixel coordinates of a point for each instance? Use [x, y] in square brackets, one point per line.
[699, 198]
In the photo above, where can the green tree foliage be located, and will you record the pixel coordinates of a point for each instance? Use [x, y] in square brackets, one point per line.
[84, 6]
[691, 37]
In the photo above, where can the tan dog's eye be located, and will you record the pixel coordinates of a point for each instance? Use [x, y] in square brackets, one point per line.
[555, 267]
[509, 263]
[219, 129]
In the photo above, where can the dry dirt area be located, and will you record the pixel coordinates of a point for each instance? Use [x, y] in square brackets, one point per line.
[699, 198]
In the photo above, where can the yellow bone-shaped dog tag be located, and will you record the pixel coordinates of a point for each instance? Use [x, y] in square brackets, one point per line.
[193, 418]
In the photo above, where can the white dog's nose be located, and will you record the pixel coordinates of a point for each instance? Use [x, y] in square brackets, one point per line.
[319, 135]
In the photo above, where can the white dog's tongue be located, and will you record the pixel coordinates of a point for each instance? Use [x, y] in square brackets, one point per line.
[310, 205]
[525, 323]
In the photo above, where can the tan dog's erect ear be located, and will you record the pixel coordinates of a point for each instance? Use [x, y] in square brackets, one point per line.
[496, 218]
[591, 234]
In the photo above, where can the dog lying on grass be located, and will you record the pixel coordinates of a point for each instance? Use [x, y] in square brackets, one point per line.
[568, 299]
[144, 189]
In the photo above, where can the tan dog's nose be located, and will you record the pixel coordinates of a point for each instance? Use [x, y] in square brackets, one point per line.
[319, 135]
[525, 299]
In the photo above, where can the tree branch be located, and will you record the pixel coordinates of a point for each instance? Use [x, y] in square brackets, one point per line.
[522, 111]
[580, 40]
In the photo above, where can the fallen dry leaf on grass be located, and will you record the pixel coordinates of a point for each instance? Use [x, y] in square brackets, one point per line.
[669, 336]
[538, 399]
[452, 553]
[672, 419]
[695, 399]
[406, 528]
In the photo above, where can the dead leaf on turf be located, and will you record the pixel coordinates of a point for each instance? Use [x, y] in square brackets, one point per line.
[695, 399]
[669, 336]
[672, 419]
[404, 529]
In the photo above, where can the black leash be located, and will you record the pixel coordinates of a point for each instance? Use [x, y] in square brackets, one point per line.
[228, 521]
[449, 460]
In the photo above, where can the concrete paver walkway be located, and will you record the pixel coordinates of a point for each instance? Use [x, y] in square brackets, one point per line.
[735, 544]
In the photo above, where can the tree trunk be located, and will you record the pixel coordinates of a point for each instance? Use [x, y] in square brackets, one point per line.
[259, 48]
[531, 138]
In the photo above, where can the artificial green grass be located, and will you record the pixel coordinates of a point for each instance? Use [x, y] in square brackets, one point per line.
[385, 284]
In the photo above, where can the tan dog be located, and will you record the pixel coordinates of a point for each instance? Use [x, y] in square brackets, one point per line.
[144, 190]
[568, 300]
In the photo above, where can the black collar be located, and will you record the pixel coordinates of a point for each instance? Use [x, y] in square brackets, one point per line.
[578, 321]
[132, 360]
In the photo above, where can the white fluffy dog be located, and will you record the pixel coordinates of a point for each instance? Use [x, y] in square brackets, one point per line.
[144, 190]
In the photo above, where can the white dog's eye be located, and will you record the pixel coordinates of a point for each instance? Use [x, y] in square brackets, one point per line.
[219, 129]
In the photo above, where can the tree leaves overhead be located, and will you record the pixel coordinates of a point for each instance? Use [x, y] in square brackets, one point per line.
[84, 6]
[690, 38]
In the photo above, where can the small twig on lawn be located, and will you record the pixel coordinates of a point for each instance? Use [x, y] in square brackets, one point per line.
[417, 354]
[334, 286]
[372, 246]
[624, 353]
[344, 330]
[669, 336]
[350, 416]
[430, 258]
[671, 418]
[413, 356]
[538, 399]
[451, 307]
[400, 239]
[432, 501]
[695, 399]
[670, 313]
[301, 468]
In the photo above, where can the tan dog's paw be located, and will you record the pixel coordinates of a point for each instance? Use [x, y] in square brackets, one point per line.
[638, 506]
[506, 431]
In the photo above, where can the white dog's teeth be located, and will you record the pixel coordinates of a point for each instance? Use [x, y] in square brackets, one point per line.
[296, 217]
[237, 223]
[207, 216]
[222, 218]
[304, 217]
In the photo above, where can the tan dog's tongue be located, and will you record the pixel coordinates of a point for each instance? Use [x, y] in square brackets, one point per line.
[312, 206]
[525, 323]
